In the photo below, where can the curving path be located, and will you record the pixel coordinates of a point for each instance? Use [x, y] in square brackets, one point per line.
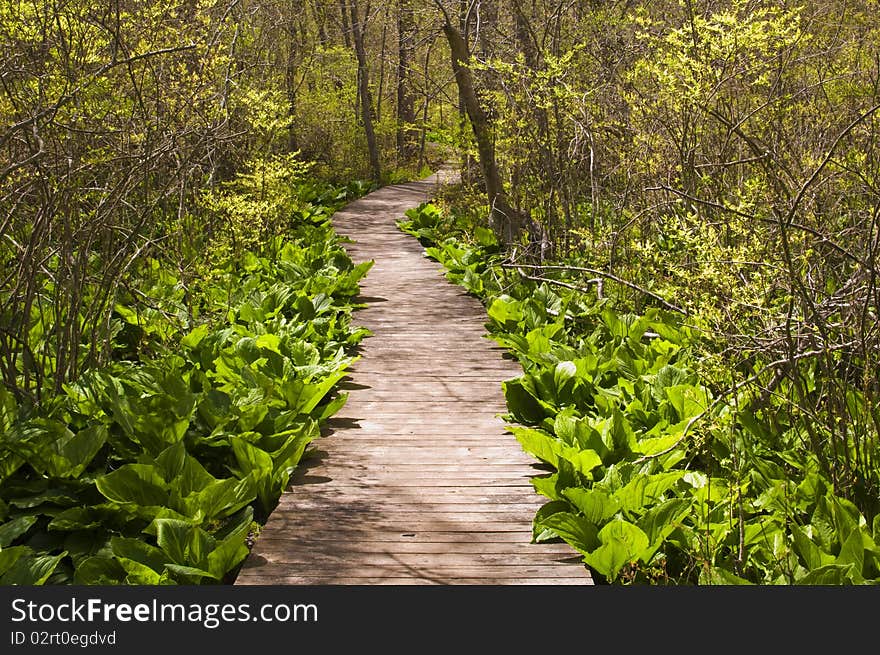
[416, 480]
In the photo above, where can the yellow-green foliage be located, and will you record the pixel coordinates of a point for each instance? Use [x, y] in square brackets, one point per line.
[258, 203]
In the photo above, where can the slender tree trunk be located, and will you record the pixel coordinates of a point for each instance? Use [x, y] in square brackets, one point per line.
[346, 28]
[425, 104]
[507, 223]
[366, 103]
[468, 172]
[380, 95]
[290, 84]
[406, 112]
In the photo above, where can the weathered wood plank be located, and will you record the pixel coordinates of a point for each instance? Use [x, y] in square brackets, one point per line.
[294, 547]
[393, 559]
[550, 570]
[409, 579]
[416, 481]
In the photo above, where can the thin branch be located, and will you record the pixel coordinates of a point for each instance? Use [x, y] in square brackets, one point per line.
[593, 271]
[849, 128]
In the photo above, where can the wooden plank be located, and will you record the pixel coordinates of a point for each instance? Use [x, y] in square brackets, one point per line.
[404, 479]
[409, 579]
[301, 547]
[435, 495]
[350, 561]
[448, 539]
[500, 571]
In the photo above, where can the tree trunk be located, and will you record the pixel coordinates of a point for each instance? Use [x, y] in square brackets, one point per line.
[366, 104]
[406, 112]
[506, 222]
[346, 28]
[290, 84]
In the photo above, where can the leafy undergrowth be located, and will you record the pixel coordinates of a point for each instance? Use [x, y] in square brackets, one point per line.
[656, 475]
[156, 468]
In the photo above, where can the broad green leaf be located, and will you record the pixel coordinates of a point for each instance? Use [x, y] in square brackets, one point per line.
[652, 445]
[181, 541]
[170, 462]
[831, 574]
[644, 490]
[8, 410]
[97, 570]
[822, 523]
[538, 443]
[622, 543]
[624, 532]
[523, 406]
[138, 573]
[9, 464]
[139, 551]
[688, 400]
[251, 416]
[583, 461]
[750, 422]
[505, 310]
[195, 337]
[250, 458]
[230, 551]
[190, 571]
[215, 408]
[303, 397]
[579, 533]
[75, 518]
[668, 376]
[846, 517]
[608, 559]
[9, 556]
[812, 487]
[12, 530]
[288, 456]
[540, 533]
[269, 342]
[546, 486]
[853, 552]
[661, 520]
[812, 556]
[258, 465]
[134, 483]
[32, 570]
[184, 473]
[81, 450]
[74, 452]
[223, 497]
[596, 506]
[485, 237]
[618, 435]
[333, 407]
[565, 424]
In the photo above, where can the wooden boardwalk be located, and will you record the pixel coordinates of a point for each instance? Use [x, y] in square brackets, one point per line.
[416, 480]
